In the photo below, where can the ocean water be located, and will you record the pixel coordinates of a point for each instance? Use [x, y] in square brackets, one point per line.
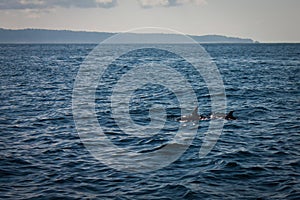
[256, 156]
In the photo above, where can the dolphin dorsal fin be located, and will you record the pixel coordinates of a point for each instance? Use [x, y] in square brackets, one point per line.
[195, 112]
[230, 115]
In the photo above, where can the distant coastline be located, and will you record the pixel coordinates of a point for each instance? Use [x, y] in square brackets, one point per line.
[68, 36]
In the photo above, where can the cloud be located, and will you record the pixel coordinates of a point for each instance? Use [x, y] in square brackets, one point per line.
[196, 2]
[153, 3]
[48, 4]
[169, 3]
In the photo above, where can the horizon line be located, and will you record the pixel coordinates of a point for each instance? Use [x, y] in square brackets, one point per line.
[97, 31]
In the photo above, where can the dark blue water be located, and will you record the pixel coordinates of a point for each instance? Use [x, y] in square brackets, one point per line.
[256, 156]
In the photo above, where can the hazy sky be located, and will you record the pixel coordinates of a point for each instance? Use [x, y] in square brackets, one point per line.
[262, 20]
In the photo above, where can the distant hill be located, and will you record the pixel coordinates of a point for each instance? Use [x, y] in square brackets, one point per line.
[66, 36]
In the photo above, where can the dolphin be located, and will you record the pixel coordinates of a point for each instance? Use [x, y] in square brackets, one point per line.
[196, 117]
[192, 117]
[228, 116]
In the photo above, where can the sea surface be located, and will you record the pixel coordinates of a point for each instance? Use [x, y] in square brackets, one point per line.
[256, 156]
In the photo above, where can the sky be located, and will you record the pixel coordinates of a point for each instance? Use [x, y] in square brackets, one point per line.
[260, 20]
